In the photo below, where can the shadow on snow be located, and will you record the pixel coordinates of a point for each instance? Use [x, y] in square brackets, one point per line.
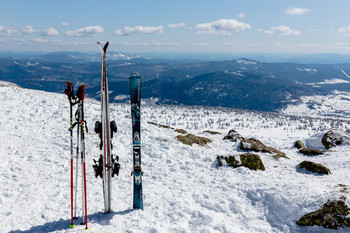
[63, 224]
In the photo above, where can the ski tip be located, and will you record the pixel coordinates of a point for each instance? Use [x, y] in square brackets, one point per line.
[71, 225]
[105, 47]
[135, 75]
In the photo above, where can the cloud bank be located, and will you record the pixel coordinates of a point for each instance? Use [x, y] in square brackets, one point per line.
[177, 25]
[85, 32]
[11, 31]
[222, 27]
[50, 32]
[297, 11]
[139, 30]
[282, 29]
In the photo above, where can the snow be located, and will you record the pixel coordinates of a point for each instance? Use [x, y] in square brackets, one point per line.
[184, 191]
[334, 105]
[329, 82]
[307, 69]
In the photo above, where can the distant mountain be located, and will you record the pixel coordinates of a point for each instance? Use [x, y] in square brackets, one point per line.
[240, 83]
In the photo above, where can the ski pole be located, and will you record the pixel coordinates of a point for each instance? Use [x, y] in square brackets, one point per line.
[69, 93]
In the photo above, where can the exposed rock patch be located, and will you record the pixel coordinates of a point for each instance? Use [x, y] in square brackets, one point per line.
[248, 160]
[257, 146]
[332, 215]
[335, 138]
[315, 167]
[191, 139]
[233, 135]
[308, 151]
[211, 132]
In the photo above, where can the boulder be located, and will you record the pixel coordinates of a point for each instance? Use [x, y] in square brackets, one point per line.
[257, 146]
[314, 167]
[248, 160]
[230, 161]
[334, 138]
[299, 144]
[308, 151]
[252, 161]
[332, 215]
[233, 135]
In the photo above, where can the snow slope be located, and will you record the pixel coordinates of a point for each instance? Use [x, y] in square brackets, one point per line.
[184, 191]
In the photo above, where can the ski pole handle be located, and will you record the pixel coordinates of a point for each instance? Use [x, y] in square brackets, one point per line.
[69, 91]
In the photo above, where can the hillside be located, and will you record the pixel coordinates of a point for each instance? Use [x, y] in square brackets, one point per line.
[252, 85]
[184, 189]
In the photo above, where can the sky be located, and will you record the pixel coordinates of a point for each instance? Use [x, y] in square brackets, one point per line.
[184, 26]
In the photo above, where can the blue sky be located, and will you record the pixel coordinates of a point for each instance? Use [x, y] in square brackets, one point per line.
[208, 26]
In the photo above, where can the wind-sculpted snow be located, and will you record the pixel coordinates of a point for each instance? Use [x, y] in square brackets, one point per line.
[184, 190]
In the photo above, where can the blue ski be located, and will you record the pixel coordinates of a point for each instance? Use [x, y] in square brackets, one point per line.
[135, 98]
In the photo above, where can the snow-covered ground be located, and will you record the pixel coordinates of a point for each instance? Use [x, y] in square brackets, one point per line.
[184, 191]
[335, 105]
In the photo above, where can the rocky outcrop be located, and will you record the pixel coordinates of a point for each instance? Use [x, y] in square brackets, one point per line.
[307, 151]
[331, 215]
[257, 146]
[233, 135]
[334, 138]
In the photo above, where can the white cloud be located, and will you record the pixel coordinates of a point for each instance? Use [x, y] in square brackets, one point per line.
[177, 25]
[241, 15]
[284, 30]
[344, 29]
[11, 31]
[39, 40]
[64, 24]
[222, 26]
[297, 11]
[139, 30]
[267, 32]
[85, 32]
[50, 32]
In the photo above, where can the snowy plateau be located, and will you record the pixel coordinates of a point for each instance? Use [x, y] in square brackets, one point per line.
[184, 189]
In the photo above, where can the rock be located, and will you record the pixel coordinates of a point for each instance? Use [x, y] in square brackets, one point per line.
[299, 144]
[248, 160]
[211, 132]
[332, 215]
[252, 161]
[314, 167]
[335, 138]
[230, 161]
[233, 135]
[160, 125]
[257, 146]
[182, 131]
[191, 139]
[308, 151]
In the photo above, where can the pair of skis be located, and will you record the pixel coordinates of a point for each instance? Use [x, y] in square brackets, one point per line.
[81, 126]
[107, 166]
